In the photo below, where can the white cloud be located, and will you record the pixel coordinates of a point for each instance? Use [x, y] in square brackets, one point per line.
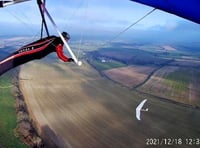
[98, 15]
[171, 25]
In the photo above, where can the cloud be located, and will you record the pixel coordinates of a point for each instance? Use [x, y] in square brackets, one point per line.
[171, 25]
[96, 16]
[187, 25]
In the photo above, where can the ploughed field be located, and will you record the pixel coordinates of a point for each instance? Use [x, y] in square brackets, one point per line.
[74, 106]
[178, 81]
[130, 76]
[180, 84]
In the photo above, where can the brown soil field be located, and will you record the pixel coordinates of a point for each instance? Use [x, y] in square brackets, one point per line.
[74, 106]
[129, 76]
[187, 93]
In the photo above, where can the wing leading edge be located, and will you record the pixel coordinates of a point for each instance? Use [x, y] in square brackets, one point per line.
[188, 9]
[4, 3]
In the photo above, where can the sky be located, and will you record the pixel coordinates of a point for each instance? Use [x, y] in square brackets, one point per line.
[93, 18]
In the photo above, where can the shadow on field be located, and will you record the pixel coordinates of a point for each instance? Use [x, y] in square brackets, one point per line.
[51, 139]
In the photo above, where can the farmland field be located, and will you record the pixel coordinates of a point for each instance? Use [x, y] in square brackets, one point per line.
[130, 76]
[76, 107]
[8, 118]
[175, 83]
[107, 64]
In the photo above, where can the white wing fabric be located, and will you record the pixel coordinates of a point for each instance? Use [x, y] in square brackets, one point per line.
[139, 109]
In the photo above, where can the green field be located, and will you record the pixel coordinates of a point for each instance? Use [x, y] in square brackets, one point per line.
[179, 80]
[174, 83]
[7, 115]
[107, 65]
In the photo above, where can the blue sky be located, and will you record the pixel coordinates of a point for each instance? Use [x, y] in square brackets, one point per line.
[93, 17]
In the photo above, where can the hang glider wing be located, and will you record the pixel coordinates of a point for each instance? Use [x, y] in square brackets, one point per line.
[4, 3]
[188, 9]
[139, 109]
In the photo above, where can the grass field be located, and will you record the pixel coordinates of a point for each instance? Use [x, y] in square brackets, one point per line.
[107, 65]
[74, 106]
[176, 83]
[8, 117]
[179, 80]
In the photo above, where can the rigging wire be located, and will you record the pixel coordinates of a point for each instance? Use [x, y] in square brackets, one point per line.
[81, 34]
[79, 47]
[74, 12]
[25, 24]
[73, 15]
[12, 74]
[130, 26]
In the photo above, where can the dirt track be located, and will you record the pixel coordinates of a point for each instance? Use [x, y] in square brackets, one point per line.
[75, 107]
